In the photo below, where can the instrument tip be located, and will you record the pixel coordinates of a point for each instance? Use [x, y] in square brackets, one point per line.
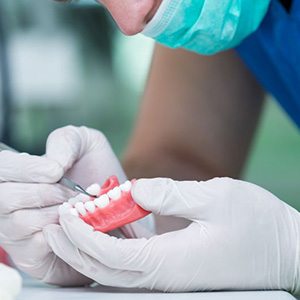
[83, 191]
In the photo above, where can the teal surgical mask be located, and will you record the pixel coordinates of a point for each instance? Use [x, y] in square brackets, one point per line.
[205, 26]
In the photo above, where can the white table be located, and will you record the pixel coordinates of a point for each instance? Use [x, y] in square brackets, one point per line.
[36, 291]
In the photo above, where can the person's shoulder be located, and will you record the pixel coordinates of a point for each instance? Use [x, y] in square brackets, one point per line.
[287, 4]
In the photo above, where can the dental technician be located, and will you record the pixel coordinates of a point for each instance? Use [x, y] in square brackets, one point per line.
[199, 114]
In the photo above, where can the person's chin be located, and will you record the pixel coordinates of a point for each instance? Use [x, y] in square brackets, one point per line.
[132, 16]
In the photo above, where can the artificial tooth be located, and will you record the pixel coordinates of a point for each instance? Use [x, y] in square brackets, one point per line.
[64, 208]
[102, 201]
[73, 200]
[94, 189]
[80, 208]
[74, 212]
[82, 198]
[90, 206]
[115, 193]
[126, 186]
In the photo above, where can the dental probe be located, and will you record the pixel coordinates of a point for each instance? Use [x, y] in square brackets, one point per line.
[64, 181]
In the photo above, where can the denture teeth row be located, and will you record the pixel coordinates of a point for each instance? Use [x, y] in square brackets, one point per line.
[81, 204]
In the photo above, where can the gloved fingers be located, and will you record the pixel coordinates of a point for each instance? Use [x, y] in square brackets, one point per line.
[168, 197]
[65, 145]
[29, 254]
[25, 222]
[192, 200]
[15, 196]
[116, 253]
[131, 231]
[68, 144]
[22, 167]
[62, 274]
[85, 155]
[136, 230]
[86, 264]
[35, 257]
[83, 151]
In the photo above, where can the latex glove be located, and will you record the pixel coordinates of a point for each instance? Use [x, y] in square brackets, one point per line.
[84, 154]
[10, 283]
[241, 238]
[28, 197]
[86, 157]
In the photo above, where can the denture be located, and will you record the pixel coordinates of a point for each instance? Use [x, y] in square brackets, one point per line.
[3, 257]
[113, 206]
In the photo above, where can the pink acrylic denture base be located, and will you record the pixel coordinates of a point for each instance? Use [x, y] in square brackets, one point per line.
[118, 213]
[3, 257]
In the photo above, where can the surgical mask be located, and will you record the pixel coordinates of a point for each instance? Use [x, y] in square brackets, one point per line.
[205, 26]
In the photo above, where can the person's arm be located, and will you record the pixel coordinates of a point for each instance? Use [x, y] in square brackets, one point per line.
[197, 120]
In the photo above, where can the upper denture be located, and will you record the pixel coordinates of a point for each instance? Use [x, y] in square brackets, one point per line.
[114, 206]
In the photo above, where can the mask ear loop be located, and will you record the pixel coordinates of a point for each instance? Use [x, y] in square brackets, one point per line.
[161, 18]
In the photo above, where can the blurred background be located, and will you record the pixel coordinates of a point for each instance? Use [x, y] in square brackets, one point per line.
[68, 64]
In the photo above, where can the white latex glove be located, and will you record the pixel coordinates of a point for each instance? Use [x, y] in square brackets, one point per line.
[86, 157]
[241, 238]
[10, 283]
[29, 197]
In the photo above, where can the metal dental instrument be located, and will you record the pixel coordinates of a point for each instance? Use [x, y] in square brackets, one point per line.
[64, 181]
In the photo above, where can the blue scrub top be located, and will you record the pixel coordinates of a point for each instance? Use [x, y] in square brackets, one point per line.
[272, 53]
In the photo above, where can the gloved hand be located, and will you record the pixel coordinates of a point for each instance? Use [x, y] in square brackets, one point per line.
[241, 238]
[86, 157]
[29, 197]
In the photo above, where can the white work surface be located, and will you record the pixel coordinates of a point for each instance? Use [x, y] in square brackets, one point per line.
[35, 291]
